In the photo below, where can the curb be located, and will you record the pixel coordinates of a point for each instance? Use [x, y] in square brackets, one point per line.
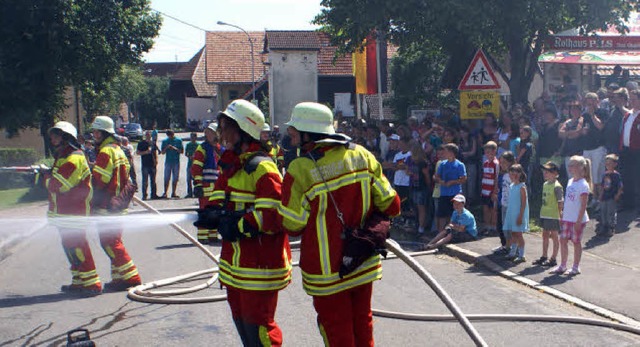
[478, 259]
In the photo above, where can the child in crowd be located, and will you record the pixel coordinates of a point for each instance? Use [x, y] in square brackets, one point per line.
[461, 229]
[550, 212]
[489, 187]
[517, 216]
[507, 160]
[420, 183]
[574, 214]
[525, 148]
[451, 175]
[609, 195]
[401, 178]
[436, 186]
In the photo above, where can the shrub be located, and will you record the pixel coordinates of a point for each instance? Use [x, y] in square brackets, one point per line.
[18, 156]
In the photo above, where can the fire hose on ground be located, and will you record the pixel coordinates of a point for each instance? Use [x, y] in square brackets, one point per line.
[149, 293]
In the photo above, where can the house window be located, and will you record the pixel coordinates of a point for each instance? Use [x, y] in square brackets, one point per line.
[233, 94]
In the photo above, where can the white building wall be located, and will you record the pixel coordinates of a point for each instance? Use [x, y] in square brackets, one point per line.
[196, 108]
[293, 79]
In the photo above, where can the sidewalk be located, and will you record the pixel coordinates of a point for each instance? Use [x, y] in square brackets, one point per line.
[610, 268]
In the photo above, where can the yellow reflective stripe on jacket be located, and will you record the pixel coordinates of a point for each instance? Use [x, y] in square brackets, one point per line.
[266, 203]
[320, 285]
[323, 238]
[293, 220]
[197, 162]
[254, 273]
[255, 279]
[246, 198]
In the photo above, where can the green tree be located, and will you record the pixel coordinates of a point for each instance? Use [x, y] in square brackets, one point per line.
[514, 28]
[155, 106]
[415, 76]
[48, 45]
[125, 87]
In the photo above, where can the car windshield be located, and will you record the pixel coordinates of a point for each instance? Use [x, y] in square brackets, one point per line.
[133, 126]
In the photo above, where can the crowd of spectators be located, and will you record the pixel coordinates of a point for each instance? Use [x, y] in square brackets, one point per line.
[414, 152]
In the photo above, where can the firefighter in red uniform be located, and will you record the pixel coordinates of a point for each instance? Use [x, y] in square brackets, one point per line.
[255, 261]
[110, 175]
[205, 172]
[275, 151]
[69, 186]
[334, 185]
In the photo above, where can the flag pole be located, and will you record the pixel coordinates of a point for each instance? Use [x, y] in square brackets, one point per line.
[379, 37]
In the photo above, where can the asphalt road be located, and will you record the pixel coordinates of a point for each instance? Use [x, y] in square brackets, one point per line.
[34, 313]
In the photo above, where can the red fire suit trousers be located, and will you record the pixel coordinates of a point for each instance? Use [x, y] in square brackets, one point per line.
[122, 266]
[83, 268]
[345, 318]
[253, 314]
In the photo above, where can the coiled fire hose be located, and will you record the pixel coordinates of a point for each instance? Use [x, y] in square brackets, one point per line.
[146, 293]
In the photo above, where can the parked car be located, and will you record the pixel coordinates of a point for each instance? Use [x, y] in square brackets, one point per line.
[133, 131]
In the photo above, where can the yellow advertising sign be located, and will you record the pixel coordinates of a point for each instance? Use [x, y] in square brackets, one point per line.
[475, 104]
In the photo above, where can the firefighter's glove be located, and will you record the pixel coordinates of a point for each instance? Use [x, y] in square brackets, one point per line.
[235, 228]
[209, 217]
[198, 192]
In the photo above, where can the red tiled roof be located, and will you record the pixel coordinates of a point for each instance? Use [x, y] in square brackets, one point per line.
[185, 72]
[342, 66]
[228, 58]
[292, 40]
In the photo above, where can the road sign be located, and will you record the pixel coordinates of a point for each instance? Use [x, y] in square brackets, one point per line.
[476, 104]
[479, 74]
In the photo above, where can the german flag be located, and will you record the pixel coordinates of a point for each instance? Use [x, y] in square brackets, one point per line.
[365, 67]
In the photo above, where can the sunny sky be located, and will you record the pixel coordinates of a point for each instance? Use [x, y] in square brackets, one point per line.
[178, 41]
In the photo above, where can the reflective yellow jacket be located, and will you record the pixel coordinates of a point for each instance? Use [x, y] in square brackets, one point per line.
[354, 178]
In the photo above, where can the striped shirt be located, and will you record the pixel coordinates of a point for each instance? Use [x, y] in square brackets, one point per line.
[490, 171]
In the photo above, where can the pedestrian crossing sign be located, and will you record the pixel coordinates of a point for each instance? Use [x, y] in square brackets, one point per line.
[479, 74]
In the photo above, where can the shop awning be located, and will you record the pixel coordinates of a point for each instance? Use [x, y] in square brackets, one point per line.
[591, 58]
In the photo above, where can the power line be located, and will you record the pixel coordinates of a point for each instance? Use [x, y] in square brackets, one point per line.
[180, 20]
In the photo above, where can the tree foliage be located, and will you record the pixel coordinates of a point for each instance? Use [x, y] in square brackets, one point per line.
[125, 87]
[47, 45]
[154, 105]
[516, 29]
[415, 75]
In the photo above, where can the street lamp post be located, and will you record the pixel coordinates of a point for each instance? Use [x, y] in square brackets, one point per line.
[253, 72]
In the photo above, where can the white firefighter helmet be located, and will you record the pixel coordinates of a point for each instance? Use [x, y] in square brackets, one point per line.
[248, 116]
[266, 127]
[213, 126]
[103, 123]
[312, 117]
[66, 128]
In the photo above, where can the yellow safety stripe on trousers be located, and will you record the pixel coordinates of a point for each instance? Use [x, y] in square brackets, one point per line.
[235, 260]
[263, 333]
[255, 273]
[208, 190]
[87, 274]
[228, 279]
[323, 238]
[133, 272]
[335, 277]
[342, 286]
[123, 268]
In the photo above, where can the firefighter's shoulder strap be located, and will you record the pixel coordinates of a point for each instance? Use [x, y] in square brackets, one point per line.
[252, 163]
